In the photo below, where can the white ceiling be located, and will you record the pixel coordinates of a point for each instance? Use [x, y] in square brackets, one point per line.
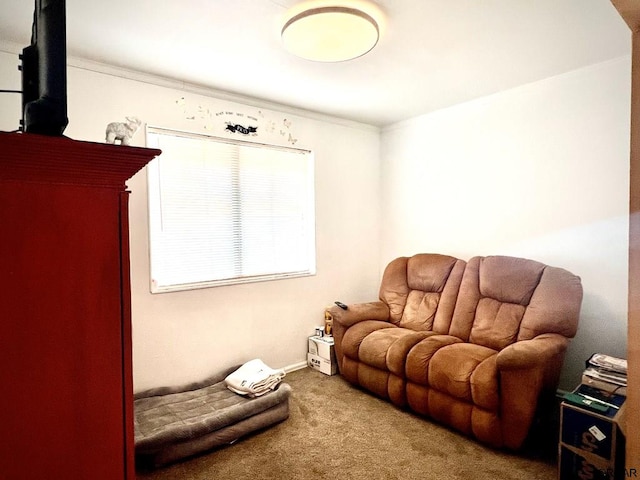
[432, 53]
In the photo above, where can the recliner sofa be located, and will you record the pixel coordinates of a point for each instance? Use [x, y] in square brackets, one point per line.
[473, 345]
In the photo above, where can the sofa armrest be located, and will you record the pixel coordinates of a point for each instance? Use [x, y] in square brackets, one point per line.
[536, 352]
[358, 312]
[527, 369]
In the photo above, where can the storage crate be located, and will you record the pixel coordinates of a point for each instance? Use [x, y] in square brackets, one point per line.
[591, 442]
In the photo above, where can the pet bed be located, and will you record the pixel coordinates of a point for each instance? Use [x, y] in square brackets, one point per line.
[172, 423]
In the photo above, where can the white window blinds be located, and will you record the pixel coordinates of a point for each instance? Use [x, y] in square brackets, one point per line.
[223, 212]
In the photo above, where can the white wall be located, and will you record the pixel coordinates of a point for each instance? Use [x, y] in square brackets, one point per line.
[185, 336]
[10, 103]
[540, 171]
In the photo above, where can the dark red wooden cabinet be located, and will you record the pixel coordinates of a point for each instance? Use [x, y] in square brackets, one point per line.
[66, 400]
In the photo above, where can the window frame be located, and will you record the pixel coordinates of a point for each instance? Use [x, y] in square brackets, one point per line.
[153, 193]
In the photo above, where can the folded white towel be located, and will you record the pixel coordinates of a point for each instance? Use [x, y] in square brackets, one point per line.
[254, 378]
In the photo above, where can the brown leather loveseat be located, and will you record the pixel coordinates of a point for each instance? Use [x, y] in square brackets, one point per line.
[472, 344]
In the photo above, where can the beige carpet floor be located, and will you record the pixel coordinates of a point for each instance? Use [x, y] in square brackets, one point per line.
[337, 431]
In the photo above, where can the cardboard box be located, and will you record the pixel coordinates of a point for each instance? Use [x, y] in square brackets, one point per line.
[591, 442]
[321, 364]
[321, 355]
[322, 347]
[575, 466]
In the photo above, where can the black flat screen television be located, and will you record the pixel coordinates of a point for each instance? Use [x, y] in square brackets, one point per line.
[44, 71]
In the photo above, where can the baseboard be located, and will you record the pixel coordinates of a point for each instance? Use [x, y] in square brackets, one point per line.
[295, 366]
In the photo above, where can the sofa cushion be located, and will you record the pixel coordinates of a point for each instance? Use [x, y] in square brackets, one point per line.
[554, 307]
[387, 348]
[429, 272]
[355, 334]
[494, 295]
[373, 379]
[509, 279]
[468, 372]
[420, 310]
[421, 290]
[418, 358]
[496, 324]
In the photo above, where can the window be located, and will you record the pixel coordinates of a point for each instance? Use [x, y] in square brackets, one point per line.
[224, 212]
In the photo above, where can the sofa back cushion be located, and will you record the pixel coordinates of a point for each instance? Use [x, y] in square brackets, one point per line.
[421, 291]
[554, 306]
[506, 299]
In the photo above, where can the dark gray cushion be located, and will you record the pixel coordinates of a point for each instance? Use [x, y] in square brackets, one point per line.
[179, 417]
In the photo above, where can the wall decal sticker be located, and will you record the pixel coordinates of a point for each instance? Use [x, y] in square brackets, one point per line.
[230, 122]
[237, 128]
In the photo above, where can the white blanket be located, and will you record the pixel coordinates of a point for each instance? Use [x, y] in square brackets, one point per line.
[254, 378]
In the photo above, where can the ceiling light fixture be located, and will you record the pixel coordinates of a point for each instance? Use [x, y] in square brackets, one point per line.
[330, 33]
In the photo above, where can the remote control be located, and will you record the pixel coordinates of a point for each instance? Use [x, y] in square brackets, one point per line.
[341, 305]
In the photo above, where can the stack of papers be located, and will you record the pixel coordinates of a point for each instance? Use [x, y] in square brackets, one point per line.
[605, 376]
[254, 379]
[606, 373]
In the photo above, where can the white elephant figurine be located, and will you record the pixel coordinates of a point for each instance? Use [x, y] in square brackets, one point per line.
[123, 132]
